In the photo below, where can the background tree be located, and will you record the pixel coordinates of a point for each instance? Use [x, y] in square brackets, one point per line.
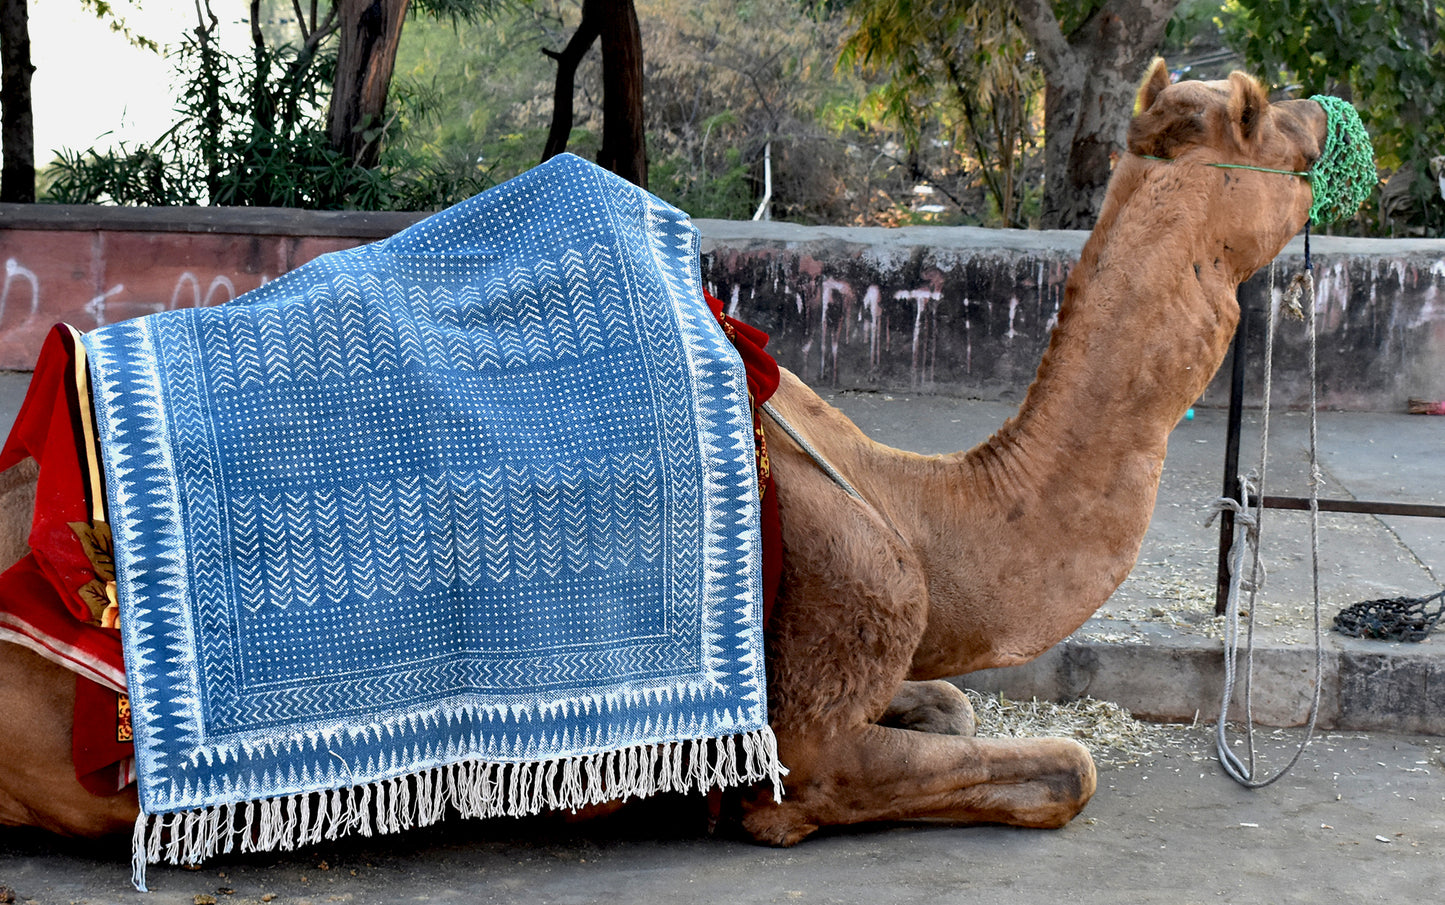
[624, 148]
[17, 126]
[17, 123]
[253, 128]
[368, 34]
[1093, 55]
[960, 77]
[1388, 58]
[732, 81]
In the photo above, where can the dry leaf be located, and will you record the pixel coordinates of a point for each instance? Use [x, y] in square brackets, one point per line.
[99, 547]
[95, 598]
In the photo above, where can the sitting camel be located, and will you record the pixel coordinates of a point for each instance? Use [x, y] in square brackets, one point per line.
[947, 564]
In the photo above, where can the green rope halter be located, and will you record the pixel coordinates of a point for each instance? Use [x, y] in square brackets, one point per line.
[1343, 176]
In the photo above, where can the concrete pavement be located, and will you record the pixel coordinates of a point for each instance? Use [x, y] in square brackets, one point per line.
[1360, 819]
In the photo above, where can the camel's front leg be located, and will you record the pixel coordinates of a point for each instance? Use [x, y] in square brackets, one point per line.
[880, 773]
[936, 706]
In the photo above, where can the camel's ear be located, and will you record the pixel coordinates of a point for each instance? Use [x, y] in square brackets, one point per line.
[1158, 129]
[1247, 101]
[1154, 82]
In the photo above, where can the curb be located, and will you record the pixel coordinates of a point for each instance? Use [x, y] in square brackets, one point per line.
[1169, 676]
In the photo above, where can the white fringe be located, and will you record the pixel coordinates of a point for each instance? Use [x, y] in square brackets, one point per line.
[471, 788]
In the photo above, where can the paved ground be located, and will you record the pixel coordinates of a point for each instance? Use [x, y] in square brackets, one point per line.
[1361, 818]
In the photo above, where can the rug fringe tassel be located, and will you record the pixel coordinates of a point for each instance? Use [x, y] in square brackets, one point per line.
[471, 788]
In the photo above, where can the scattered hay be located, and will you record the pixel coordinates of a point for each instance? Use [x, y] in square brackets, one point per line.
[1109, 731]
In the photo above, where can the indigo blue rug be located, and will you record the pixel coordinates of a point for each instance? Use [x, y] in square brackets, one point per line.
[465, 520]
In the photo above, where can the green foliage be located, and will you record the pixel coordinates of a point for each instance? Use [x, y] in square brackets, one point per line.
[1388, 59]
[1192, 24]
[731, 81]
[723, 80]
[726, 194]
[477, 90]
[963, 88]
[252, 132]
[106, 13]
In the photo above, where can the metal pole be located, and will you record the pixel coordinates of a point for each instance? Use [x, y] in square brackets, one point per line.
[765, 211]
[1231, 458]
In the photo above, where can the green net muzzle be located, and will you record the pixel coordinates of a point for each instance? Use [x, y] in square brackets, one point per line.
[1344, 175]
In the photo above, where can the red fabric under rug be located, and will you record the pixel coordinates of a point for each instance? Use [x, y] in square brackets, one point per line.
[763, 379]
[53, 601]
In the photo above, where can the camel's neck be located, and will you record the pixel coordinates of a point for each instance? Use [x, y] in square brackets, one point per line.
[1147, 316]
[1057, 502]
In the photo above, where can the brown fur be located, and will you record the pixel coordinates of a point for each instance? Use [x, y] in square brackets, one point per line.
[961, 562]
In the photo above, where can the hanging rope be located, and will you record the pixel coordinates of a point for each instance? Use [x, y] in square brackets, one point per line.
[1249, 511]
[1340, 181]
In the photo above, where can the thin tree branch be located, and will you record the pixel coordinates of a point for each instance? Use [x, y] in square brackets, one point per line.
[563, 93]
[1038, 20]
[301, 21]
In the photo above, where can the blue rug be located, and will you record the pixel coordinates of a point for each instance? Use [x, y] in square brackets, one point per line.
[464, 520]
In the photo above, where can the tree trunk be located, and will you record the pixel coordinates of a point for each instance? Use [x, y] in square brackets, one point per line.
[17, 126]
[624, 148]
[370, 31]
[1090, 77]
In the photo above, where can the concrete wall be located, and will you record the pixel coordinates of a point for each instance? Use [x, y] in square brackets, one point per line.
[968, 311]
[950, 310]
[89, 266]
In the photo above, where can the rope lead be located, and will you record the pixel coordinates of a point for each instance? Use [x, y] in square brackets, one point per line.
[1248, 529]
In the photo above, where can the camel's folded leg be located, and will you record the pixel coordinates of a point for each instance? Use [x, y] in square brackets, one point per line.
[37, 775]
[936, 706]
[880, 773]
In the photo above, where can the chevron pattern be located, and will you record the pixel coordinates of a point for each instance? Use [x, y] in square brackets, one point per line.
[484, 490]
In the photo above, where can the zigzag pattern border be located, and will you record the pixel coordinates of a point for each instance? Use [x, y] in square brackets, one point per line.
[173, 745]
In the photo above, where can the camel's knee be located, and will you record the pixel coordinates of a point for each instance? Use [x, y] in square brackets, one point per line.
[777, 823]
[937, 706]
[1056, 792]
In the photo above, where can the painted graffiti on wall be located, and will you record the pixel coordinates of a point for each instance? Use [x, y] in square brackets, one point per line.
[977, 321]
[844, 310]
[28, 309]
[15, 271]
[925, 321]
[90, 279]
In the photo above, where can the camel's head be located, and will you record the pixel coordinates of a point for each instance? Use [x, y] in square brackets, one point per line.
[1231, 124]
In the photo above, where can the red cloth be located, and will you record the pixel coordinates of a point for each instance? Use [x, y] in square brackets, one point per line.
[763, 377]
[40, 604]
[749, 341]
[46, 431]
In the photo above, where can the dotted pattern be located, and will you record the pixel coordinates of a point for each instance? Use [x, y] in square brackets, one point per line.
[480, 487]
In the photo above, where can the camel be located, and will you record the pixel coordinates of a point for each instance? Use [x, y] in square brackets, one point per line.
[953, 563]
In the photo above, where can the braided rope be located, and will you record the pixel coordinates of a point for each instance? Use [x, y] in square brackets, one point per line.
[812, 452]
[1248, 523]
